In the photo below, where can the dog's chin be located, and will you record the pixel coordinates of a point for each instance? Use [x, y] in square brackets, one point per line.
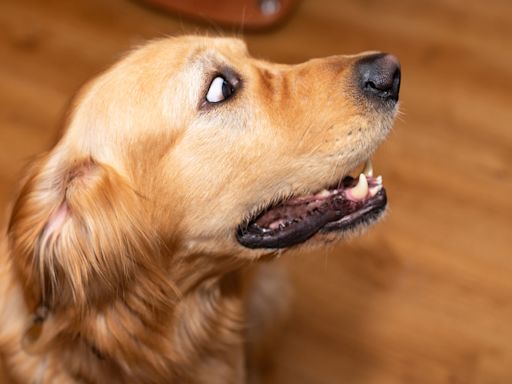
[329, 215]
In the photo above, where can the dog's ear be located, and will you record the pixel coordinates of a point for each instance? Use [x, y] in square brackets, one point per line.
[78, 233]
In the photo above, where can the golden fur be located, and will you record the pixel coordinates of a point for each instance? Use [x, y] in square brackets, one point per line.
[120, 262]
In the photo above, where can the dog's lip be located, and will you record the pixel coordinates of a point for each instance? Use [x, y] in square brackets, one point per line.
[344, 206]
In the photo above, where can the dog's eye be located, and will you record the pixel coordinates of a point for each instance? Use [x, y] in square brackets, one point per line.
[220, 90]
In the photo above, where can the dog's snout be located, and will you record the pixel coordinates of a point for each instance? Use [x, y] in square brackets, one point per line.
[379, 76]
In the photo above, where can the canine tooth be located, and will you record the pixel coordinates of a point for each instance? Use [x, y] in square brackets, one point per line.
[378, 180]
[368, 168]
[373, 190]
[360, 191]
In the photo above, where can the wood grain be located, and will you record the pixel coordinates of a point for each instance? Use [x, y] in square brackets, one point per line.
[425, 296]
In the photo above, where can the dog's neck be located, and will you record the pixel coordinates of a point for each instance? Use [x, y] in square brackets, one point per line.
[147, 334]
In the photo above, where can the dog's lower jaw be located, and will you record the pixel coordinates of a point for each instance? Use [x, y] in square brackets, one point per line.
[343, 207]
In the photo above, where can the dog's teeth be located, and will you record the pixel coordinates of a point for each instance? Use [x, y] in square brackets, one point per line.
[279, 224]
[360, 191]
[323, 193]
[368, 168]
[378, 180]
[373, 190]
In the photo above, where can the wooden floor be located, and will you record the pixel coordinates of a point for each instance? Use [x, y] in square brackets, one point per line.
[426, 296]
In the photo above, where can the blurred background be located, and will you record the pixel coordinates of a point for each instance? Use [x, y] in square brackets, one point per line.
[426, 295]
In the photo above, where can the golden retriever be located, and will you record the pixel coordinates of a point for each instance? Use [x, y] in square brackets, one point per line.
[130, 252]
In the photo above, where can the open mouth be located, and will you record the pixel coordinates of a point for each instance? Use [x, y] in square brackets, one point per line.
[352, 202]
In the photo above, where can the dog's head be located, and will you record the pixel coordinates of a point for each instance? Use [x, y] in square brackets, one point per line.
[191, 145]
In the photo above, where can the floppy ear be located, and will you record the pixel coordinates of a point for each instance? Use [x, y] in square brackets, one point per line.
[77, 233]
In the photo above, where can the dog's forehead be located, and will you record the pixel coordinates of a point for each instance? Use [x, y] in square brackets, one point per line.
[183, 50]
[228, 45]
[215, 50]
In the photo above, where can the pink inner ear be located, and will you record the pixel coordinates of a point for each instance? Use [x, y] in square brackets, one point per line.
[57, 219]
[59, 216]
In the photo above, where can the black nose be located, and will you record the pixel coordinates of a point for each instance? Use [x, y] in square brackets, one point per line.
[380, 76]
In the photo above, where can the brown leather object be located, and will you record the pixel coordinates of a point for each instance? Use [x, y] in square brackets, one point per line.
[243, 14]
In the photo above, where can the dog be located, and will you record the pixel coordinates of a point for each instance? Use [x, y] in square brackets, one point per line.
[137, 249]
